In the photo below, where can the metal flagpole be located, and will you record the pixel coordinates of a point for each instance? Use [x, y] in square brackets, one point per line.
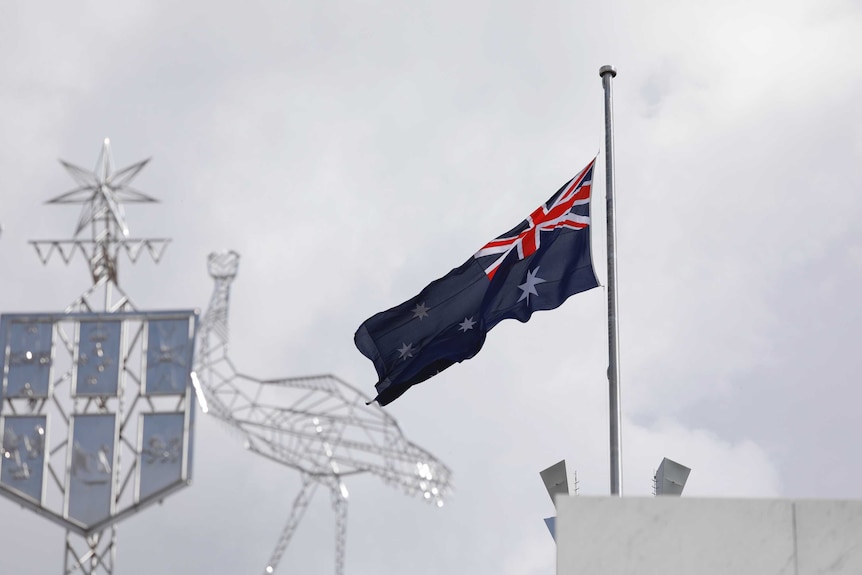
[607, 73]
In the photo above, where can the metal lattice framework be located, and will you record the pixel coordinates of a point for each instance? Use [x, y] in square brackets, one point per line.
[102, 193]
[101, 340]
[319, 425]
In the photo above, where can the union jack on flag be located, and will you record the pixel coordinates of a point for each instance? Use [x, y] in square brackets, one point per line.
[553, 215]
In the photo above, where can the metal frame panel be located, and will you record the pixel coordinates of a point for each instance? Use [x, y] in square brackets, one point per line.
[175, 354]
[85, 464]
[68, 451]
[99, 350]
[10, 352]
[8, 457]
[149, 452]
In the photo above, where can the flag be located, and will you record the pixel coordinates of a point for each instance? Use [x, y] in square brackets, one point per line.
[535, 266]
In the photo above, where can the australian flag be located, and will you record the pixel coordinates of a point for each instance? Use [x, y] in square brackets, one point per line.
[537, 265]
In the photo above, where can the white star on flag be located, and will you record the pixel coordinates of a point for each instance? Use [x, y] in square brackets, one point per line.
[467, 324]
[420, 311]
[529, 286]
[406, 350]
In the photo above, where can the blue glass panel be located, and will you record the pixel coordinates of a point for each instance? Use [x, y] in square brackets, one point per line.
[97, 367]
[91, 473]
[161, 459]
[22, 458]
[168, 352]
[29, 359]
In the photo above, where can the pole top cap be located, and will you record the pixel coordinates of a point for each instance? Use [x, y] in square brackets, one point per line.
[607, 69]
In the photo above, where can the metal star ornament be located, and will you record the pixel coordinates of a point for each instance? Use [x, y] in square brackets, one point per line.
[103, 190]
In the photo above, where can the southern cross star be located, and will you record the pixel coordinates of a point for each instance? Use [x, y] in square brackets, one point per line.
[421, 310]
[406, 350]
[467, 324]
[529, 286]
[103, 190]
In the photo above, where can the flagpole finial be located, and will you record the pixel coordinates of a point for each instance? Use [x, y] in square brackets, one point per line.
[607, 69]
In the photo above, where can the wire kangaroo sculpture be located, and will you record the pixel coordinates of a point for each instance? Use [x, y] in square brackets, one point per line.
[318, 425]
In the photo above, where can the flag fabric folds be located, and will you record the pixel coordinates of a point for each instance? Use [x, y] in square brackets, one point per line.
[535, 266]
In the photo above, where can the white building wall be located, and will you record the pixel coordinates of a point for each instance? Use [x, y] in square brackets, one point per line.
[682, 536]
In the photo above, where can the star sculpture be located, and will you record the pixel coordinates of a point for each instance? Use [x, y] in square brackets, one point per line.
[529, 285]
[103, 190]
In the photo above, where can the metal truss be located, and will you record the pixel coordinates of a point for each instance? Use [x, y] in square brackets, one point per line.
[94, 556]
[321, 426]
[102, 193]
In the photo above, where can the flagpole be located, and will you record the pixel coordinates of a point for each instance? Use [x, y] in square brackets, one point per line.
[607, 73]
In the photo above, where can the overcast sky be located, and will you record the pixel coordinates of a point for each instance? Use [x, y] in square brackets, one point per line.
[352, 152]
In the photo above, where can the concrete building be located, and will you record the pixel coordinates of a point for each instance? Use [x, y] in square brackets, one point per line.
[683, 536]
